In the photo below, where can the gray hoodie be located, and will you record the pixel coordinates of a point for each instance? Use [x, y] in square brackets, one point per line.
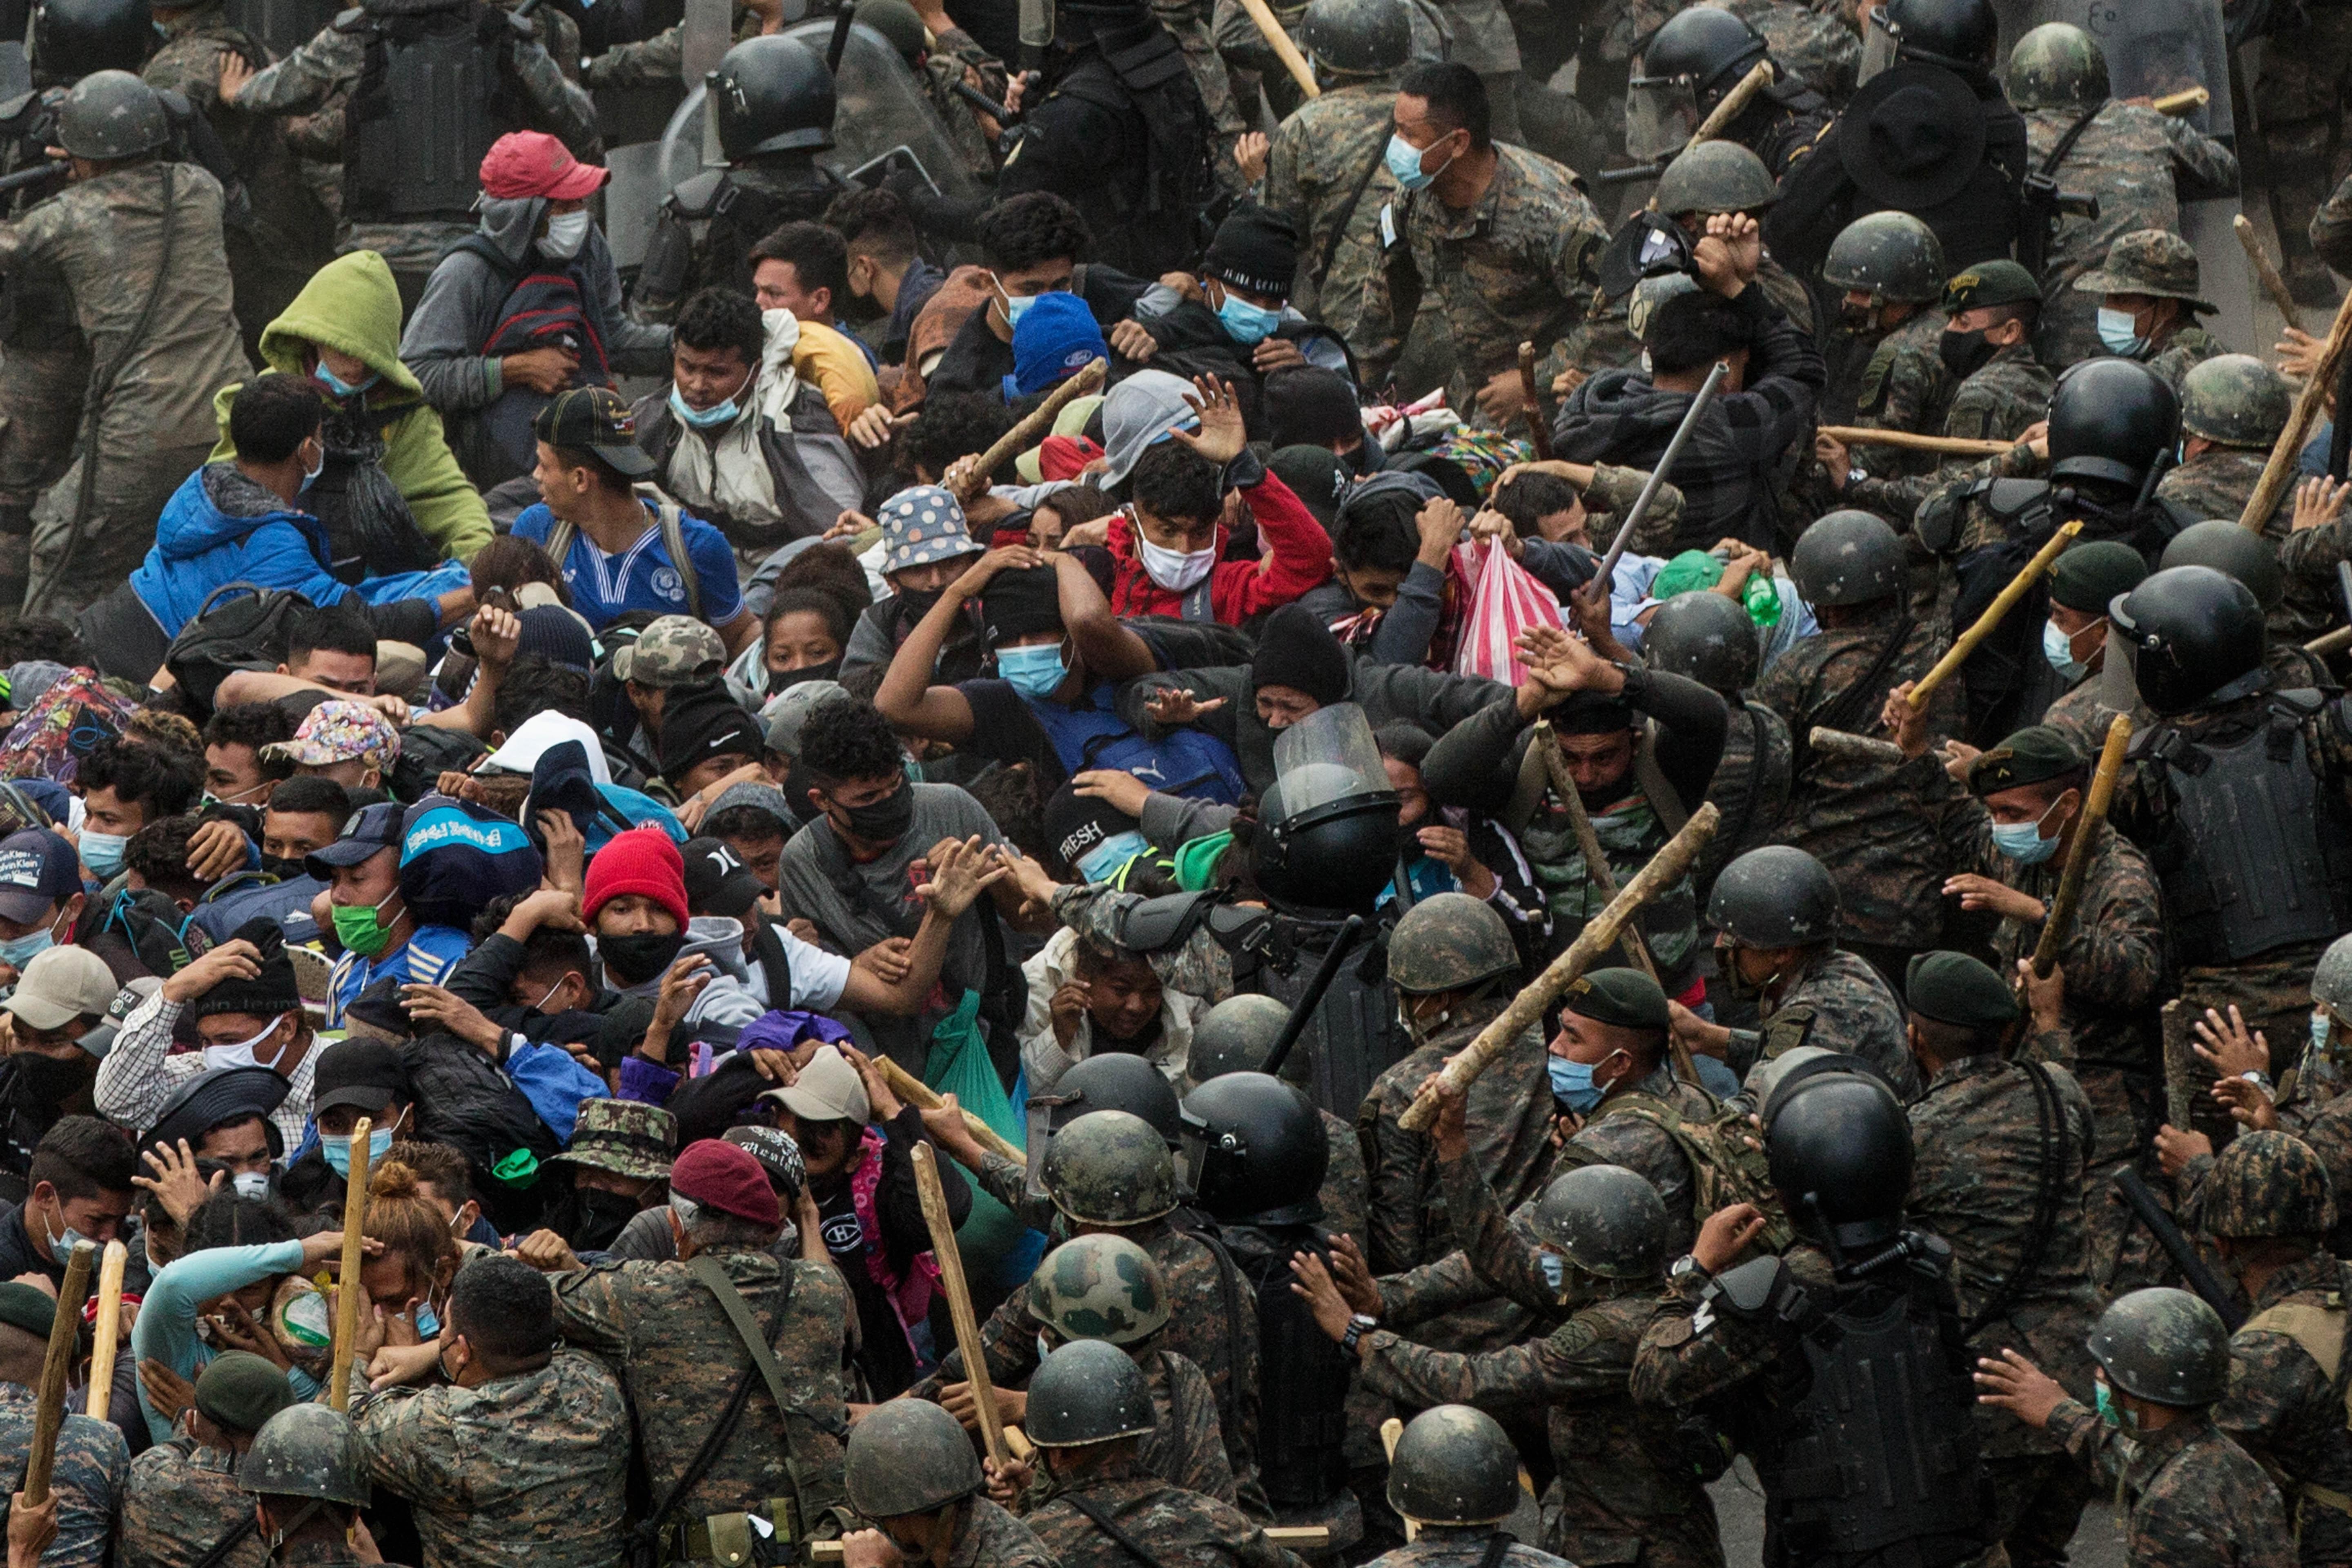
[727, 1001]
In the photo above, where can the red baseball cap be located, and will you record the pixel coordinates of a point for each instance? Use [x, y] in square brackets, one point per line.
[533, 164]
[722, 1176]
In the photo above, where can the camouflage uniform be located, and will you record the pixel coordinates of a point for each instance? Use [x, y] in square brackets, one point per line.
[2300, 87]
[1346, 1186]
[89, 1477]
[1811, 40]
[2196, 1496]
[1520, 266]
[678, 1358]
[1460, 1546]
[952, 54]
[1902, 384]
[992, 1538]
[2189, 346]
[1180, 1529]
[2008, 392]
[2287, 1410]
[1841, 1004]
[2330, 233]
[1187, 1447]
[2130, 158]
[1751, 788]
[527, 1469]
[1625, 1129]
[182, 1501]
[2309, 557]
[1979, 1133]
[103, 239]
[2218, 483]
[1318, 156]
[2082, 714]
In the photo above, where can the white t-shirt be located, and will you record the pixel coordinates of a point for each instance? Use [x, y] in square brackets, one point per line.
[818, 978]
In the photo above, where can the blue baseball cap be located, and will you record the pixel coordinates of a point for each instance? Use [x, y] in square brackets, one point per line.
[37, 869]
[367, 833]
[1057, 337]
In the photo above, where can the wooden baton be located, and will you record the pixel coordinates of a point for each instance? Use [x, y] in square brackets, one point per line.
[1734, 103]
[967, 1326]
[1600, 934]
[1539, 433]
[1391, 1430]
[1848, 747]
[923, 1097]
[2280, 470]
[57, 1370]
[2003, 601]
[1307, 1538]
[2055, 928]
[2188, 100]
[2328, 643]
[348, 1288]
[1283, 50]
[2266, 271]
[106, 1335]
[1038, 422]
[1943, 446]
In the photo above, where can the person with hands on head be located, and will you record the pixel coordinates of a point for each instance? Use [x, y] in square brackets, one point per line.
[184, 1498]
[1390, 542]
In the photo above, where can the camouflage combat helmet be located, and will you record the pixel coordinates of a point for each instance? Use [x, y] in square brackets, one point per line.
[2229, 549]
[908, 1456]
[1358, 37]
[307, 1450]
[1890, 256]
[1776, 896]
[1088, 1391]
[2237, 400]
[1453, 1465]
[1714, 177]
[2268, 1183]
[2165, 1346]
[1450, 941]
[1099, 1288]
[1652, 292]
[1706, 638]
[111, 114]
[897, 22]
[2331, 981]
[1117, 1080]
[1234, 1036]
[1607, 1220]
[1847, 558]
[2147, 261]
[1110, 1168]
[2058, 66]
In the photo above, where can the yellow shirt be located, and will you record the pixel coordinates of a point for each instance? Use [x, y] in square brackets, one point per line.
[837, 368]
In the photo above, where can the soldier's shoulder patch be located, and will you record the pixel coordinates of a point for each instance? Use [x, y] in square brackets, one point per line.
[1786, 1031]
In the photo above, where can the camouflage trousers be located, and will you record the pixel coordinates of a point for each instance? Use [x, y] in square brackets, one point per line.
[74, 565]
[2124, 1110]
[2302, 88]
[2037, 1501]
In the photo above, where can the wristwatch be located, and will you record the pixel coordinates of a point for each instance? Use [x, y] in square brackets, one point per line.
[1855, 475]
[1687, 1271]
[2260, 1080]
[1357, 1327]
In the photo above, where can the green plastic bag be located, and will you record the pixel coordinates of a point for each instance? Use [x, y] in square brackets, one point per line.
[993, 1241]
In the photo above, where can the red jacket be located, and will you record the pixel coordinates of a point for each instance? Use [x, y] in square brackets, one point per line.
[1298, 557]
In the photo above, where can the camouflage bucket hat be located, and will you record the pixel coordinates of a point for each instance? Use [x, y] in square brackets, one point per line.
[625, 1137]
[2146, 262]
[2268, 1183]
[676, 651]
[1099, 1288]
[923, 524]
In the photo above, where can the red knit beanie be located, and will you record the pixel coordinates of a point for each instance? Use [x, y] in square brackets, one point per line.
[724, 1176]
[642, 860]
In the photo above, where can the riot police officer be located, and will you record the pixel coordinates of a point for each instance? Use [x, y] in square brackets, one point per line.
[307, 1473]
[1687, 68]
[911, 1471]
[1238, 1034]
[775, 108]
[1707, 637]
[2219, 543]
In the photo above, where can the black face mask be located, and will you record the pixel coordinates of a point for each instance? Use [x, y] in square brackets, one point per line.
[634, 959]
[914, 604]
[592, 1219]
[786, 679]
[53, 1080]
[1964, 353]
[1856, 318]
[284, 867]
[884, 821]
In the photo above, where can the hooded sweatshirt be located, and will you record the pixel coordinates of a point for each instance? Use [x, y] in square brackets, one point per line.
[352, 306]
[1299, 556]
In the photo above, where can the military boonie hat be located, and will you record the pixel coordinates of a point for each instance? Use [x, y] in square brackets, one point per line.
[676, 651]
[1625, 997]
[1953, 988]
[594, 419]
[625, 1137]
[922, 525]
[1991, 283]
[2146, 262]
[2088, 577]
[2031, 756]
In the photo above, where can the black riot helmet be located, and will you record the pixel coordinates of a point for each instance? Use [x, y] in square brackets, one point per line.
[71, 38]
[1707, 637]
[771, 94]
[1838, 1148]
[1773, 897]
[2194, 633]
[1712, 49]
[1358, 37]
[2111, 419]
[1256, 1150]
[1955, 32]
[1327, 833]
[1116, 1080]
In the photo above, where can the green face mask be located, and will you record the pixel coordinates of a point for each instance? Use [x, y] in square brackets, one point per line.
[363, 928]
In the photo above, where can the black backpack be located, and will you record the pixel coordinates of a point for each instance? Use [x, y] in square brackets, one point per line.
[248, 632]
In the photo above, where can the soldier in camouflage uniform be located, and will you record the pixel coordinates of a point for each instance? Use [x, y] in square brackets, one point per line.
[92, 1465]
[523, 1453]
[2330, 234]
[2083, 581]
[2003, 1149]
[2150, 275]
[183, 1500]
[1707, 637]
[1456, 1478]
[152, 311]
[1888, 373]
[2196, 1496]
[910, 1470]
[1089, 1411]
[2131, 158]
[663, 1331]
[2307, 67]
[307, 1482]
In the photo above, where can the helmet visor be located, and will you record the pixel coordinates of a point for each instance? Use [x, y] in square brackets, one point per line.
[1661, 113]
[1328, 757]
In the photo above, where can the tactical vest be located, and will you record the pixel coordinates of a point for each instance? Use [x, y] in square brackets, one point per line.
[1141, 76]
[433, 94]
[1353, 1037]
[736, 213]
[2252, 857]
[1726, 1159]
[1302, 1374]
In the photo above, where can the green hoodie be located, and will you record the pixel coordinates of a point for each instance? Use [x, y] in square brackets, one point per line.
[352, 306]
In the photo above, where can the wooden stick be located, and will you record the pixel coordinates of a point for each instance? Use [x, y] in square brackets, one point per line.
[1296, 1537]
[107, 1333]
[348, 1288]
[1600, 934]
[57, 1370]
[1017, 1443]
[1038, 422]
[923, 1097]
[1283, 50]
[2188, 100]
[1539, 433]
[2326, 643]
[2279, 472]
[1848, 747]
[2003, 601]
[1943, 446]
[2266, 271]
[1391, 1430]
[967, 1326]
[2055, 929]
[1735, 103]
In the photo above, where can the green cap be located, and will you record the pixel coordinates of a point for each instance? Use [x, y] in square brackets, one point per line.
[241, 1391]
[1953, 988]
[2031, 756]
[1626, 997]
[1991, 283]
[2087, 577]
[23, 1307]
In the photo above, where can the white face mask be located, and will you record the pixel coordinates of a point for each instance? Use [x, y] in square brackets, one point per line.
[566, 233]
[239, 1054]
[1177, 571]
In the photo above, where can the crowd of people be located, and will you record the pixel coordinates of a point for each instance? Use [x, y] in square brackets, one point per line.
[1446, 760]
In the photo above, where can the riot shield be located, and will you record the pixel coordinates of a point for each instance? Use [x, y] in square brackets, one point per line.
[1661, 113]
[16, 71]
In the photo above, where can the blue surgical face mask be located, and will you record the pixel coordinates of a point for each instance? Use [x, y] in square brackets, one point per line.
[1015, 306]
[2059, 649]
[102, 852]
[1246, 322]
[341, 388]
[1035, 671]
[338, 1150]
[1403, 160]
[717, 414]
[1097, 864]
[1555, 1270]
[25, 949]
[2119, 332]
[310, 476]
[2323, 1028]
[2023, 842]
[2107, 1411]
[428, 1322]
[1572, 1085]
